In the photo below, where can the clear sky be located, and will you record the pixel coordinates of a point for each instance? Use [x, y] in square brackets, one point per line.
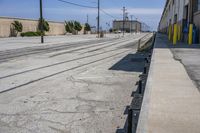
[148, 11]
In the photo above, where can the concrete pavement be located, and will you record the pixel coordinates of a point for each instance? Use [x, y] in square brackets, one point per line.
[171, 101]
[24, 42]
[74, 87]
[189, 57]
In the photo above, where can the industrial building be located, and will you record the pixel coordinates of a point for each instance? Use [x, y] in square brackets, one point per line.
[127, 25]
[181, 20]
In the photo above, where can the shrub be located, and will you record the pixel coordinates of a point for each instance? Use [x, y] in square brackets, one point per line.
[30, 34]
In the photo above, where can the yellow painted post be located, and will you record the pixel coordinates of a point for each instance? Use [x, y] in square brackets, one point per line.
[190, 36]
[170, 30]
[175, 34]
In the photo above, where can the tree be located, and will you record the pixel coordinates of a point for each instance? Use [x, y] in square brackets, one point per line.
[87, 27]
[69, 26]
[77, 26]
[46, 26]
[73, 27]
[18, 27]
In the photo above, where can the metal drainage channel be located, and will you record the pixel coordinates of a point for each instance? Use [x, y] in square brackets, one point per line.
[135, 107]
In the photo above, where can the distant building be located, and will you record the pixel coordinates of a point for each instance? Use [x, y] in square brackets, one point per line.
[129, 25]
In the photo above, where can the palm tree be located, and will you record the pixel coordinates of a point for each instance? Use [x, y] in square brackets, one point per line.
[18, 27]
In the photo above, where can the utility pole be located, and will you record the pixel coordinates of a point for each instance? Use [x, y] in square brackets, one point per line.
[136, 26]
[87, 18]
[41, 22]
[98, 19]
[131, 24]
[124, 9]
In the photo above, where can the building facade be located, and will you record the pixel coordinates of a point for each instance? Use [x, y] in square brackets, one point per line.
[129, 25]
[181, 17]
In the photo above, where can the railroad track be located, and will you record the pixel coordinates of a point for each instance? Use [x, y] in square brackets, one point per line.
[100, 52]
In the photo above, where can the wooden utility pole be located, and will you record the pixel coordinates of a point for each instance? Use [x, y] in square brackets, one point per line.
[41, 23]
[87, 18]
[124, 9]
[131, 24]
[98, 19]
[136, 26]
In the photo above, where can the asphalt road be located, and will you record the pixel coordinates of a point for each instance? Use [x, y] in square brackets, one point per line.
[82, 86]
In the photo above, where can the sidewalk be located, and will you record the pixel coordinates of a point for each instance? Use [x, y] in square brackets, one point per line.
[189, 56]
[171, 101]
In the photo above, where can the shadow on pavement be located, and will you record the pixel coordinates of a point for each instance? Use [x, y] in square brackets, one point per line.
[130, 63]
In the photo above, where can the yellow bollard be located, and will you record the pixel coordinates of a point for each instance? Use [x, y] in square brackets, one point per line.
[190, 36]
[175, 34]
[170, 30]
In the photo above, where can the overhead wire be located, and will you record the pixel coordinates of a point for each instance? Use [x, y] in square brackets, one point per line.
[75, 4]
[85, 6]
[107, 14]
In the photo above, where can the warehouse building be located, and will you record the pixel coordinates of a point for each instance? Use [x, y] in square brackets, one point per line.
[129, 25]
[181, 20]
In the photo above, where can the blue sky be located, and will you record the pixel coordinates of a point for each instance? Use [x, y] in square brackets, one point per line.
[148, 11]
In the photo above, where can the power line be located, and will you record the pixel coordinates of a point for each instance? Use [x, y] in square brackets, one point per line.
[75, 4]
[107, 14]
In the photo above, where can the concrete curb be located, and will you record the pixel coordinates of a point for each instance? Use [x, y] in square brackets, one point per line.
[142, 122]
